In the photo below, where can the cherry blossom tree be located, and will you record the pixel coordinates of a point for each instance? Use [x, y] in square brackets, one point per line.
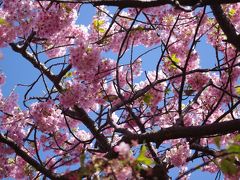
[104, 114]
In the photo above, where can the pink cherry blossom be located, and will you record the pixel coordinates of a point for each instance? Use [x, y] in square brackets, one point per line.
[123, 149]
[2, 79]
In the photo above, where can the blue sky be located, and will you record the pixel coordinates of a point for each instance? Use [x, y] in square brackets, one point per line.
[19, 71]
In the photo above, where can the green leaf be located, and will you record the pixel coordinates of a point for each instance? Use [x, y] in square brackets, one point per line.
[175, 59]
[139, 28]
[147, 98]
[183, 106]
[217, 141]
[237, 138]
[83, 171]
[68, 74]
[232, 12]
[227, 166]
[66, 7]
[82, 159]
[234, 148]
[29, 170]
[11, 161]
[89, 50]
[97, 25]
[101, 30]
[97, 22]
[237, 89]
[142, 157]
[3, 22]
[110, 98]
[173, 66]
[167, 91]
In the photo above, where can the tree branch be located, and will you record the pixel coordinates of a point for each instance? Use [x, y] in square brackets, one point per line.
[186, 132]
[28, 159]
[79, 113]
[147, 4]
[37, 65]
[226, 25]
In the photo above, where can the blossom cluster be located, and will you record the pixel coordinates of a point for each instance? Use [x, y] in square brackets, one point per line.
[119, 93]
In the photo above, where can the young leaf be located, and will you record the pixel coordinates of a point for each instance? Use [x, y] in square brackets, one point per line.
[101, 30]
[139, 28]
[234, 148]
[110, 98]
[147, 98]
[175, 59]
[237, 138]
[97, 25]
[237, 89]
[232, 12]
[68, 74]
[167, 91]
[82, 159]
[227, 166]
[217, 141]
[97, 22]
[3, 22]
[142, 158]
[66, 7]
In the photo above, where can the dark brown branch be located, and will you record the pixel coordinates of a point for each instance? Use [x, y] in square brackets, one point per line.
[64, 72]
[147, 4]
[28, 40]
[80, 114]
[186, 132]
[154, 3]
[27, 158]
[225, 24]
[77, 113]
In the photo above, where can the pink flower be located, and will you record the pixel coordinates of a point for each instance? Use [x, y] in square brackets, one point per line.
[197, 80]
[122, 148]
[2, 79]
[210, 167]
[178, 155]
